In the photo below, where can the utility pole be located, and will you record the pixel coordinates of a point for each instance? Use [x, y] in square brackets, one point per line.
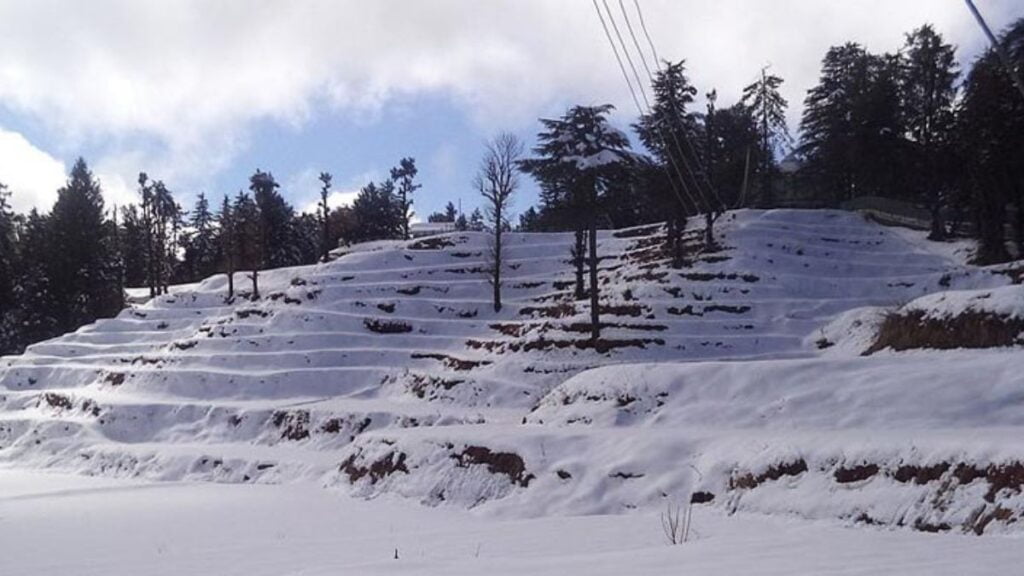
[1000, 50]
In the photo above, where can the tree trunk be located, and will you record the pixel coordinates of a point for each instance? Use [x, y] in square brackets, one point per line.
[231, 283]
[938, 226]
[497, 261]
[670, 239]
[255, 285]
[326, 231]
[578, 254]
[709, 232]
[595, 320]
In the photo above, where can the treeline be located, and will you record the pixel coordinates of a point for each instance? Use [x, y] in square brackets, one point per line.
[906, 126]
[66, 268]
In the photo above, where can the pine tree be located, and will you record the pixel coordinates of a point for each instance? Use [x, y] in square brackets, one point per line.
[201, 247]
[277, 246]
[228, 240]
[529, 221]
[307, 238]
[736, 149]
[377, 213]
[81, 278]
[133, 242]
[927, 81]
[476, 221]
[583, 153]
[671, 132]
[769, 108]
[36, 315]
[248, 239]
[8, 267]
[404, 178]
[325, 216]
[990, 136]
[851, 130]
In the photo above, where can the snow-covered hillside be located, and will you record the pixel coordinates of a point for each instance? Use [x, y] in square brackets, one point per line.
[736, 382]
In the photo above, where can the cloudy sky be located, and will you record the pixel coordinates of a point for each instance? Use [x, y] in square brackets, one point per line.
[200, 93]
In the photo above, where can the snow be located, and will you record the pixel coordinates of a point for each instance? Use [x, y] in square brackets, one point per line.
[378, 401]
[99, 527]
[1005, 301]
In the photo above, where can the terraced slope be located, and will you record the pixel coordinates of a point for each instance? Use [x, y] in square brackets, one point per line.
[387, 369]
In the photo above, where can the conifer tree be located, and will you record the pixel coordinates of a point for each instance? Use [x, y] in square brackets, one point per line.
[201, 258]
[276, 237]
[927, 83]
[228, 240]
[8, 268]
[80, 272]
[248, 239]
[670, 131]
[404, 176]
[769, 108]
[325, 215]
[582, 152]
[990, 136]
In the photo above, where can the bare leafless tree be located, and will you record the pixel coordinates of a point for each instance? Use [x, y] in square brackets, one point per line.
[497, 180]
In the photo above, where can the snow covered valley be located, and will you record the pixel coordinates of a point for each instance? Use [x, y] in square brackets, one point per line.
[377, 403]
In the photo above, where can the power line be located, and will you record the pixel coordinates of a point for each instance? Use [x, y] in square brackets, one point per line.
[686, 138]
[678, 147]
[639, 108]
[625, 51]
[643, 26]
[705, 195]
[1000, 50]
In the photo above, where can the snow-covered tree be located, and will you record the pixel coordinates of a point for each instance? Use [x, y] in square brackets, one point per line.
[579, 158]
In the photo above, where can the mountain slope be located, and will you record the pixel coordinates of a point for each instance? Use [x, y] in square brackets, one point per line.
[388, 371]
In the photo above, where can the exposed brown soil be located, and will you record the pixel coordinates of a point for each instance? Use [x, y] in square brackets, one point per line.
[859, 473]
[58, 401]
[701, 497]
[632, 310]
[294, 424]
[707, 277]
[114, 378]
[913, 330]
[601, 346]
[506, 463]
[452, 362]
[748, 481]
[410, 291]
[386, 326]
[920, 475]
[388, 307]
[423, 384]
[378, 470]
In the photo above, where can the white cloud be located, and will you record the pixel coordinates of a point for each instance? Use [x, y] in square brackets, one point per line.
[194, 75]
[31, 175]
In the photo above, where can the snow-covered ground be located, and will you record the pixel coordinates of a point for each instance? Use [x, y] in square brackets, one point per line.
[57, 525]
[736, 382]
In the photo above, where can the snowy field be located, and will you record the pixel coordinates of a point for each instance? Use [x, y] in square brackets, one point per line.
[378, 402]
[58, 525]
